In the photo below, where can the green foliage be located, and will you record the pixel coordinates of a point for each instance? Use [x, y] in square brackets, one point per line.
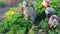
[11, 11]
[2, 4]
[20, 4]
[14, 22]
[31, 31]
[44, 20]
[40, 11]
[44, 23]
